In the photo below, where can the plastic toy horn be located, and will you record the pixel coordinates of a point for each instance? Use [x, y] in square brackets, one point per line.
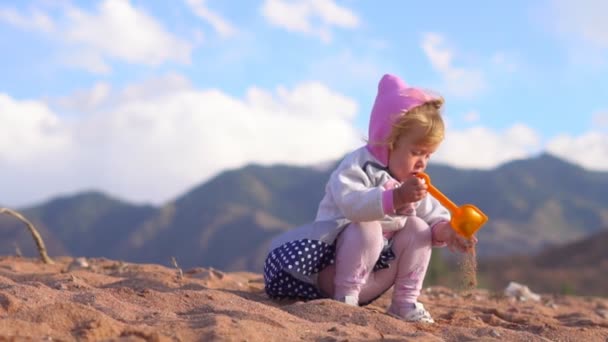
[466, 219]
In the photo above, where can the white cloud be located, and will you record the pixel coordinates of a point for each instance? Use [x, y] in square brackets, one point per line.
[85, 100]
[116, 30]
[589, 149]
[35, 152]
[582, 26]
[153, 140]
[29, 130]
[483, 148]
[347, 69]
[505, 61]
[36, 21]
[135, 36]
[458, 81]
[311, 17]
[87, 59]
[585, 19]
[600, 119]
[219, 24]
[169, 83]
[472, 116]
[150, 143]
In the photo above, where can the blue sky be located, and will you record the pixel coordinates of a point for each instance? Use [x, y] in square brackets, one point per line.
[144, 99]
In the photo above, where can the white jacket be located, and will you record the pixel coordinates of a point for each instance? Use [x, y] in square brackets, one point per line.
[354, 194]
[355, 189]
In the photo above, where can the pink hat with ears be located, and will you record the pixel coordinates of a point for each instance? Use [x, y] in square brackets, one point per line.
[393, 99]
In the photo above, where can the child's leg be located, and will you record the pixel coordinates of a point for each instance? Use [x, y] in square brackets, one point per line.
[358, 248]
[412, 246]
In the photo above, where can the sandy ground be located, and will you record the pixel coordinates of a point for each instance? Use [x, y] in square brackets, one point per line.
[112, 300]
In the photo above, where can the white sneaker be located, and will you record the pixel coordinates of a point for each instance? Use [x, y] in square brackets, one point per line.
[349, 300]
[416, 314]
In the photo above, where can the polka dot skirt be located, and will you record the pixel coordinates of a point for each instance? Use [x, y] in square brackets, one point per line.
[305, 257]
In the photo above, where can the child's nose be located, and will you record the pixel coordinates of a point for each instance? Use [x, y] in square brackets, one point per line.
[421, 164]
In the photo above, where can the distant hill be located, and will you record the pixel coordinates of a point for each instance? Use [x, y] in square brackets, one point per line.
[227, 221]
[531, 203]
[90, 223]
[15, 239]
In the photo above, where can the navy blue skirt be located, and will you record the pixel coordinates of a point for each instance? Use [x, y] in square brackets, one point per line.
[304, 257]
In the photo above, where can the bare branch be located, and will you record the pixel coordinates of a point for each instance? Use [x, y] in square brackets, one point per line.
[35, 235]
[180, 273]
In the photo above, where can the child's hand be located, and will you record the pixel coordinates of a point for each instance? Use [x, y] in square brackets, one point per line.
[454, 241]
[411, 190]
[461, 244]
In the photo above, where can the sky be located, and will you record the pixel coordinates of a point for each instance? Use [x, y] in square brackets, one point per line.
[145, 99]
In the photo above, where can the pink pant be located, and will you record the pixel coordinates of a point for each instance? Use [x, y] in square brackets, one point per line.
[357, 250]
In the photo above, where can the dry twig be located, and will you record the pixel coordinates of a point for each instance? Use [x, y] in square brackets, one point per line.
[35, 235]
[180, 273]
[18, 250]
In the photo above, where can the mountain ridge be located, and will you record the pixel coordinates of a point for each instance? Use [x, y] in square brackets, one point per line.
[227, 221]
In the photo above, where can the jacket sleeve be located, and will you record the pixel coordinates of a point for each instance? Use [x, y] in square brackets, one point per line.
[355, 195]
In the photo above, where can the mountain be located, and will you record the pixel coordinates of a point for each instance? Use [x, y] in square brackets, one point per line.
[228, 221]
[90, 223]
[15, 239]
[531, 203]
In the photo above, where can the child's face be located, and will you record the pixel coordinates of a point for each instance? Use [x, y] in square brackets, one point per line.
[408, 158]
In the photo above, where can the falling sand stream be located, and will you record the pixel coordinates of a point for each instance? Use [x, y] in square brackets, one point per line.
[468, 268]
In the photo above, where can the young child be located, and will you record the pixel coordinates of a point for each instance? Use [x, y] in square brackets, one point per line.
[376, 224]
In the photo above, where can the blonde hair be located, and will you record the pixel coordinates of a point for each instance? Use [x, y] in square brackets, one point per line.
[426, 118]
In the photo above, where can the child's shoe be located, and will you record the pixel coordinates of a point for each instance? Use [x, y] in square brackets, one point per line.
[349, 300]
[417, 313]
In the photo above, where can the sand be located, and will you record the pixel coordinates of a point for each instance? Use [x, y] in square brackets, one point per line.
[468, 270]
[116, 301]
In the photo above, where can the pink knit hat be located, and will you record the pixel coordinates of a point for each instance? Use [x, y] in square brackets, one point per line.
[393, 99]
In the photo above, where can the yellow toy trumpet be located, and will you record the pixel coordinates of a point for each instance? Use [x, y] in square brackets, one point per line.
[466, 219]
